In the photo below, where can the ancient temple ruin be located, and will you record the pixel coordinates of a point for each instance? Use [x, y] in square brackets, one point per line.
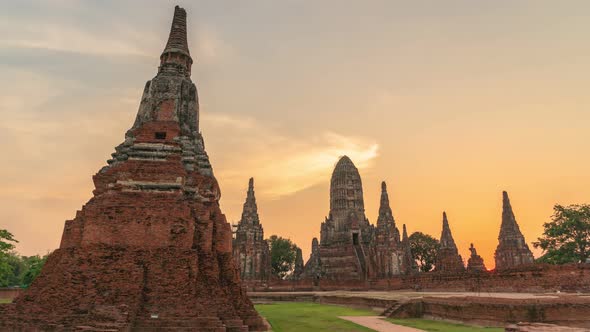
[388, 251]
[251, 251]
[313, 267]
[408, 263]
[448, 258]
[299, 266]
[475, 262]
[151, 250]
[350, 247]
[512, 249]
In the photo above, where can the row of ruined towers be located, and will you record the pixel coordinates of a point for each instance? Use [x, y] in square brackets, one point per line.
[350, 247]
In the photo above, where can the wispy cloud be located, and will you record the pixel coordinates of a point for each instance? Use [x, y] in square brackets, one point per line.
[66, 38]
[282, 164]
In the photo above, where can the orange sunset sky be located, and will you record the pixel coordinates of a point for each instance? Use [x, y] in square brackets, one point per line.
[450, 102]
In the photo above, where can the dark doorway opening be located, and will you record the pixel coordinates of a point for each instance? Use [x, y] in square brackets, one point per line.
[160, 135]
[355, 239]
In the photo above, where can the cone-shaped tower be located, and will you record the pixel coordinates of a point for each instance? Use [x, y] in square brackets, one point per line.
[446, 238]
[512, 250]
[388, 258]
[151, 249]
[448, 258]
[250, 211]
[250, 250]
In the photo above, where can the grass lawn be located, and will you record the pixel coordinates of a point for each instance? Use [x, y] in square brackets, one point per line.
[440, 326]
[303, 316]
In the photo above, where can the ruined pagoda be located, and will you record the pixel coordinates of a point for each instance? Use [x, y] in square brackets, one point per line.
[388, 249]
[475, 262]
[346, 234]
[250, 250]
[512, 249]
[448, 258]
[151, 250]
[350, 248]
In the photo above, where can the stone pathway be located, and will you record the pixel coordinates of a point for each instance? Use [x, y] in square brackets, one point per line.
[378, 324]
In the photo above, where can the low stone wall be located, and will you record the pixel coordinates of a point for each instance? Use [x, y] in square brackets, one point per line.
[532, 279]
[364, 302]
[535, 278]
[566, 310]
[9, 293]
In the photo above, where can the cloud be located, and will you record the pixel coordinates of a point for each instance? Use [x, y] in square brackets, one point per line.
[282, 164]
[69, 38]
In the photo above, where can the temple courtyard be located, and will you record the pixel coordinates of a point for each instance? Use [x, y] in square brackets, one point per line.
[304, 316]
[422, 311]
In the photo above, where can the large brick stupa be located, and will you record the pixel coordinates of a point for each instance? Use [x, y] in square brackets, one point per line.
[152, 249]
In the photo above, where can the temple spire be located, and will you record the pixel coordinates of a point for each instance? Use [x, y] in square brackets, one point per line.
[385, 217]
[250, 212]
[384, 207]
[405, 234]
[512, 248]
[448, 258]
[407, 259]
[446, 237]
[509, 224]
[176, 54]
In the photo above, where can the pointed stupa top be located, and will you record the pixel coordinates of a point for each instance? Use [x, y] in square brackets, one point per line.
[385, 215]
[176, 52]
[384, 204]
[512, 248]
[446, 238]
[250, 212]
[509, 225]
[177, 40]
[405, 234]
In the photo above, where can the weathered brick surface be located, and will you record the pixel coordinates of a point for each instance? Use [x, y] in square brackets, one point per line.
[152, 242]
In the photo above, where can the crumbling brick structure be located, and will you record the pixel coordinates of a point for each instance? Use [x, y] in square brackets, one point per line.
[512, 250]
[475, 262]
[448, 258]
[151, 249]
[251, 251]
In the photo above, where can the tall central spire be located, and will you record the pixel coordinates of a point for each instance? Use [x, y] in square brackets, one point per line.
[176, 55]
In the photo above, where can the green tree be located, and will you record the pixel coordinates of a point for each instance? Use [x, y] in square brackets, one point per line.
[7, 241]
[424, 249]
[566, 238]
[34, 264]
[282, 256]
